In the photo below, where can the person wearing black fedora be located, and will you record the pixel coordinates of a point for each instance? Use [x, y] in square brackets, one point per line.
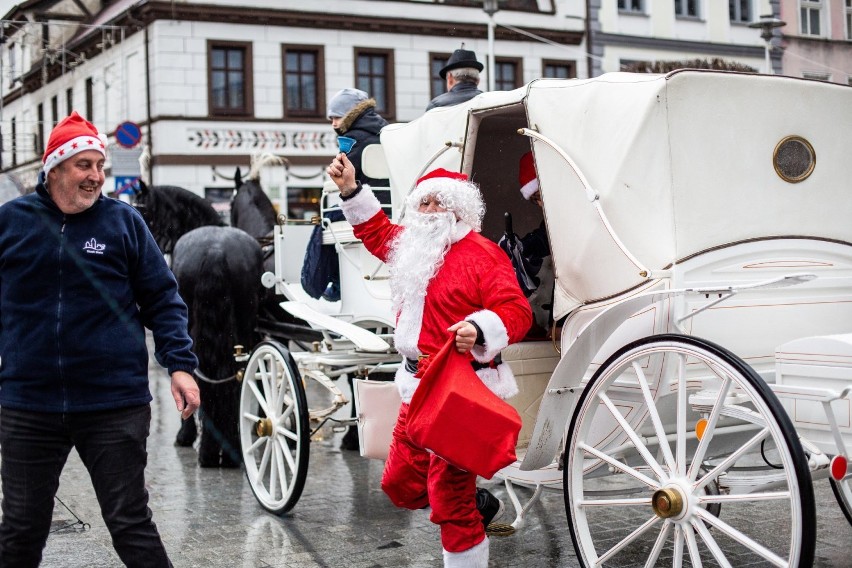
[462, 76]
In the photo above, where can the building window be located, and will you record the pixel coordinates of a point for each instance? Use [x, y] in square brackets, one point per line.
[740, 11]
[374, 75]
[230, 78]
[54, 110]
[687, 8]
[437, 85]
[304, 85]
[69, 101]
[817, 76]
[849, 19]
[558, 69]
[810, 12]
[631, 6]
[507, 73]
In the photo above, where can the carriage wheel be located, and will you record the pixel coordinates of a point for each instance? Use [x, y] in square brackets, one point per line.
[843, 492]
[661, 421]
[274, 428]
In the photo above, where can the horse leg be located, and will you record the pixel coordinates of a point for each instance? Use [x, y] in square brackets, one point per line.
[187, 433]
[209, 448]
[231, 455]
[350, 438]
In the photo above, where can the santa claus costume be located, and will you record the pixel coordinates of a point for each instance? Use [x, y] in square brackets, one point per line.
[442, 272]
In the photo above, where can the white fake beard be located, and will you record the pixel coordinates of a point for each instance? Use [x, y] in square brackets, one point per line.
[415, 257]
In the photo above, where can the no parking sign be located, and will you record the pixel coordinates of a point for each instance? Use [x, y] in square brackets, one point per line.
[128, 134]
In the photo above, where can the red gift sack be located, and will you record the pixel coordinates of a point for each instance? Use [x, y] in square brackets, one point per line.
[454, 415]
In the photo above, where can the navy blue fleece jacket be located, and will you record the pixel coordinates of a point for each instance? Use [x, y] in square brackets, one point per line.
[76, 292]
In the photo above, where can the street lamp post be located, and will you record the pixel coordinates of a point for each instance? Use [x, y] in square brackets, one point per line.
[490, 7]
[767, 24]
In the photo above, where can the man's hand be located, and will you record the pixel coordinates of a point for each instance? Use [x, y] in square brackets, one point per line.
[465, 335]
[342, 173]
[186, 394]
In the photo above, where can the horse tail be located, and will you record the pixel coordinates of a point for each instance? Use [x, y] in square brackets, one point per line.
[258, 161]
[145, 165]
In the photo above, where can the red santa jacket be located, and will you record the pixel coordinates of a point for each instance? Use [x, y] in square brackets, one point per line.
[476, 282]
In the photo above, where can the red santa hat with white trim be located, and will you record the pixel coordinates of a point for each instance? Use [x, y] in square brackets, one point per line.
[74, 134]
[455, 193]
[527, 176]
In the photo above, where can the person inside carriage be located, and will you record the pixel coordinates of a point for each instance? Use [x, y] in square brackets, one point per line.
[448, 282]
[530, 255]
[353, 117]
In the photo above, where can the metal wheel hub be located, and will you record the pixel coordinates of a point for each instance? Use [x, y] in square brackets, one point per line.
[263, 427]
[671, 502]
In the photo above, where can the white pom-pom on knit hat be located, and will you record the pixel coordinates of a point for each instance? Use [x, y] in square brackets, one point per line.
[527, 176]
[74, 134]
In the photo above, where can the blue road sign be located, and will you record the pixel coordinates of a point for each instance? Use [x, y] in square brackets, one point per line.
[128, 134]
[126, 184]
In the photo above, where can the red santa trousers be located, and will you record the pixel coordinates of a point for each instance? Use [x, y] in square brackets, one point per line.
[414, 478]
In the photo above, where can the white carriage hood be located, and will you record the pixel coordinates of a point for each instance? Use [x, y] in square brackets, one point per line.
[683, 163]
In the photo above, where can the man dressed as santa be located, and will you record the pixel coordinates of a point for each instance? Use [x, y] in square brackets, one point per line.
[446, 279]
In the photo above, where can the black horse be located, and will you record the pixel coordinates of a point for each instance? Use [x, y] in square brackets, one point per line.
[218, 271]
[170, 212]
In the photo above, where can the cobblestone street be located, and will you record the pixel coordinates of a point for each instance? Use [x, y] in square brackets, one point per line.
[209, 517]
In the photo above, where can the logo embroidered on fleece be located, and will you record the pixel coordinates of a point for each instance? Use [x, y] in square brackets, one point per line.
[92, 247]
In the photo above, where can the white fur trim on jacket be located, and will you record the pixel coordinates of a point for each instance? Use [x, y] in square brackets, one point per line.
[500, 381]
[406, 383]
[362, 207]
[474, 557]
[493, 331]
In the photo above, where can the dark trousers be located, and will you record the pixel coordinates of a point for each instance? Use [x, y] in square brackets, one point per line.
[112, 445]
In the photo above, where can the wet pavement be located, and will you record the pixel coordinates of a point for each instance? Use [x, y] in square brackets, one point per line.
[209, 517]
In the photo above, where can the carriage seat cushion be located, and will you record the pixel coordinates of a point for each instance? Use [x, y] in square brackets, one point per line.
[532, 363]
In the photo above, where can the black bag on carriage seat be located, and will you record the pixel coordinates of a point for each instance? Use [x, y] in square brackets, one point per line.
[320, 271]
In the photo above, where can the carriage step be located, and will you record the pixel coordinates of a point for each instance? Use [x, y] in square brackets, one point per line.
[499, 529]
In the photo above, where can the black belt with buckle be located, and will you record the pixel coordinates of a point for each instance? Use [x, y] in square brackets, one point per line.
[411, 364]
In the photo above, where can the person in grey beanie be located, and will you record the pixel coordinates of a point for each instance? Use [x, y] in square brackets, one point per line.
[353, 114]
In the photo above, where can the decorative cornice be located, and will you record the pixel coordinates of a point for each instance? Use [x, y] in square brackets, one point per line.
[159, 10]
[680, 45]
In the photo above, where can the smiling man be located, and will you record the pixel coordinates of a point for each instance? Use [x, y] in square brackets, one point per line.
[80, 279]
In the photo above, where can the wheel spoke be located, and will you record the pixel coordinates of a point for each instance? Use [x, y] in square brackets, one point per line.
[698, 458]
[291, 463]
[250, 417]
[741, 538]
[625, 502]
[265, 380]
[711, 543]
[731, 459]
[681, 416]
[273, 471]
[258, 396]
[257, 443]
[282, 468]
[744, 498]
[634, 437]
[692, 546]
[287, 433]
[628, 539]
[658, 545]
[620, 466]
[655, 417]
[264, 459]
[677, 559]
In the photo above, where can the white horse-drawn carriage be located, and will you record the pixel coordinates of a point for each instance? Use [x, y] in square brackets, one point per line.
[700, 367]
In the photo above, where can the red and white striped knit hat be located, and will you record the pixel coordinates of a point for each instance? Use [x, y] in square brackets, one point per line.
[73, 135]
